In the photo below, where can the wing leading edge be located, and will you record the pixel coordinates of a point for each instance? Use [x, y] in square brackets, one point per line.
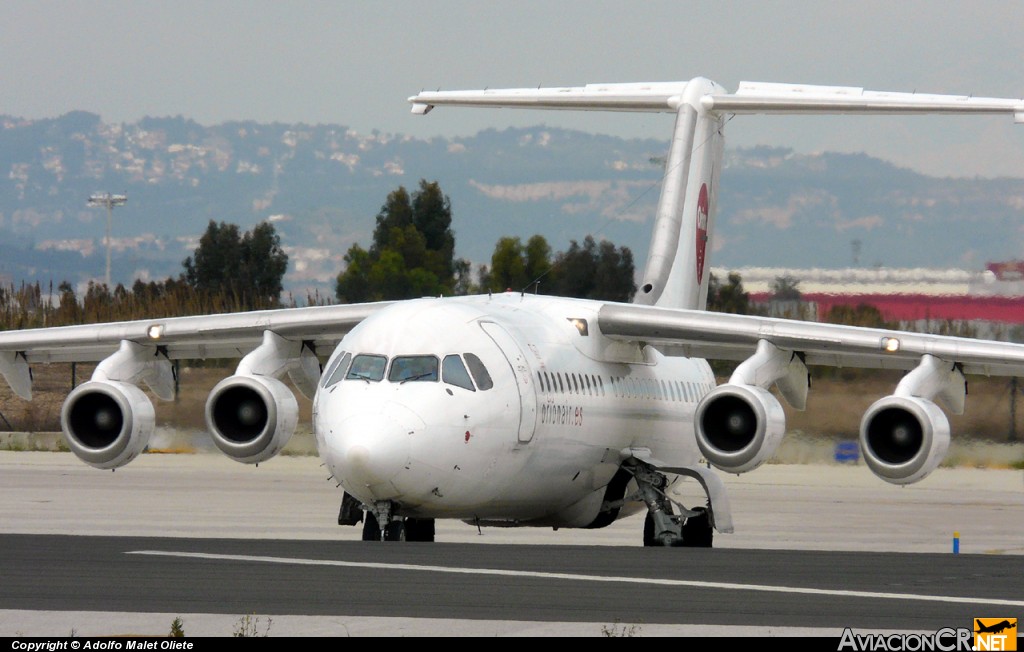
[201, 336]
[736, 337]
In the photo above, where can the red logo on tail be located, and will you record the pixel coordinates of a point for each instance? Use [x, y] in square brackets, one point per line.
[702, 229]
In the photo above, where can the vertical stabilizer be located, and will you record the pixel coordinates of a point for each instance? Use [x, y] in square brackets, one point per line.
[678, 265]
[677, 271]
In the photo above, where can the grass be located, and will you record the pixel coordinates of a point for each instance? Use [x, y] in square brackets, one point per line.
[248, 626]
[620, 630]
[177, 628]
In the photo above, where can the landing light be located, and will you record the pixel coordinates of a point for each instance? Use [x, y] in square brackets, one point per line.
[155, 332]
[890, 344]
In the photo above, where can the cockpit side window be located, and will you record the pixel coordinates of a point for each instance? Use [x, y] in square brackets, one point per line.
[479, 371]
[412, 368]
[337, 369]
[454, 373]
[367, 367]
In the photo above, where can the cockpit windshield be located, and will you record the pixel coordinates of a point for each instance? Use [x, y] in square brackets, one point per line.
[367, 367]
[412, 368]
[337, 369]
[471, 375]
[479, 371]
[454, 373]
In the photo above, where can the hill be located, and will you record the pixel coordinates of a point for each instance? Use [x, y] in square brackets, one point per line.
[322, 185]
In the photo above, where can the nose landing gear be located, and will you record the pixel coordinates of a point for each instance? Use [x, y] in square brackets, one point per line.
[396, 527]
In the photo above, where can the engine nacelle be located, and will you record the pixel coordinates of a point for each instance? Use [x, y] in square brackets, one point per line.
[739, 427]
[251, 418]
[903, 438]
[106, 423]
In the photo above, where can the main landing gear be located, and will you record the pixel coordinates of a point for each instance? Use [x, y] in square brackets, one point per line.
[690, 528]
[396, 528]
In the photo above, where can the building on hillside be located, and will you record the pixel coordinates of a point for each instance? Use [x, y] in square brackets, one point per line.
[987, 303]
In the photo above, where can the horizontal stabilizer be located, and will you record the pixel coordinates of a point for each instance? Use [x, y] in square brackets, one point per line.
[751, 97]
[652, 97]
[761, 97]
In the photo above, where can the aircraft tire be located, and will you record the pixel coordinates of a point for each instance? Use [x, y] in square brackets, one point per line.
[371, 530]
[649, 532]
[697, 531]
[395, 531]
[651, 541]
[419, 529]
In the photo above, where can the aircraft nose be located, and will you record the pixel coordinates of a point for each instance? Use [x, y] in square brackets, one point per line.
[374, 448]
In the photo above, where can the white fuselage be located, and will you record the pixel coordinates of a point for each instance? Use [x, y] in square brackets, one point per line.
[566, 407]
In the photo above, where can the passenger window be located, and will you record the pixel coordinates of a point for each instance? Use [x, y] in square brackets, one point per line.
[412, 368]
[561, 387]
[367, 367]
[479, 371]
[336, 370]
[590, 390]
[454, 373]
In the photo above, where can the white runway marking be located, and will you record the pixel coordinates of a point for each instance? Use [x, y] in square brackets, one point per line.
[764, 588]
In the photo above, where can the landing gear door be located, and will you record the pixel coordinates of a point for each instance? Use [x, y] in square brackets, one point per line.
[524, 380]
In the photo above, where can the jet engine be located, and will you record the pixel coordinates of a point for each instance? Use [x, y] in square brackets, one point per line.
[739, 427]
[903, 438]
[251, 418]
[107, 423]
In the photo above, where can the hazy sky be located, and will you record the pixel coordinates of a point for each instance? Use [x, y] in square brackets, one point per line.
[355, 63]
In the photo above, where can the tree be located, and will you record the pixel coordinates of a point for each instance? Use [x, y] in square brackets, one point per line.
[264, 264]
[590, 271]
[217, 261]
[247, 268]
[731, 297]
[508, 266]
[515, 266]
[594, 272]
[784, 288]
[412, 254]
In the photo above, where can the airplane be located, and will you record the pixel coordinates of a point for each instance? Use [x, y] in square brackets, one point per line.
[997, 628]
[519, 410]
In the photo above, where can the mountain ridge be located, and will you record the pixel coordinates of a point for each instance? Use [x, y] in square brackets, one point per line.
[322, 185]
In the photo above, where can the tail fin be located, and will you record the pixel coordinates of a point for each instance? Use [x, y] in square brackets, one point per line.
[676, 275]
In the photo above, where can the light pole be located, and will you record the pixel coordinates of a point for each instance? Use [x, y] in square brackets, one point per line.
[108, 200]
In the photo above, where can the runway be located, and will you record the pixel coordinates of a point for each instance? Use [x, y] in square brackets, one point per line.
[86, 550]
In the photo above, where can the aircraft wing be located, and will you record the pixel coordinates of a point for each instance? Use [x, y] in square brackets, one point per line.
[203, 336]
[736, 337]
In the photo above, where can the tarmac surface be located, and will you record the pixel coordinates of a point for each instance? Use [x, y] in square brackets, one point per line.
[817, 548]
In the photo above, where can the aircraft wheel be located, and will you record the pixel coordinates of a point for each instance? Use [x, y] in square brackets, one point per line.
[371, 529]
[664, 541]
[395, 531]
[649, 531]
[697, 531]
[419, 529]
